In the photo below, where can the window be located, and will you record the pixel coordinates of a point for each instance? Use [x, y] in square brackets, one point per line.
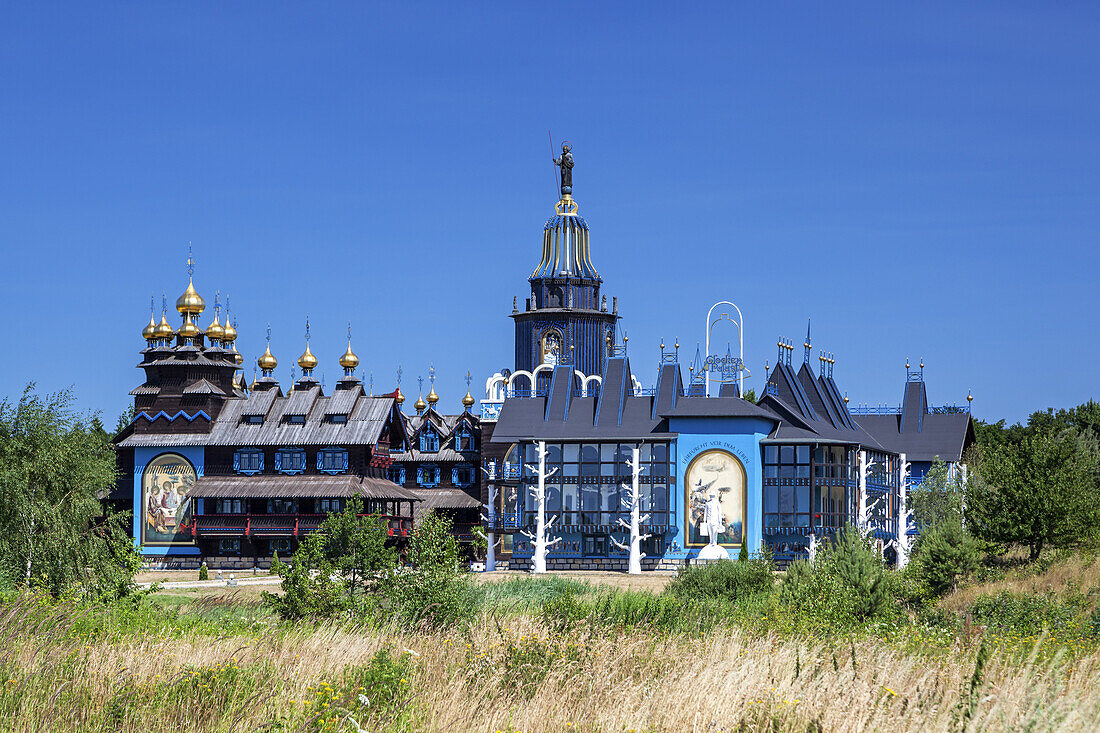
[280, 545]
[290, 460]
[282, 506]
[462, 475]
[338, 419]
[330, 506]
[230, 506]
[464, 439]
[296, 419]
[253, 419]
[229, 546]
[397, 474]
[248, 461]
[654, 546]
[787, 486]
[594, 544]
[332, 460]
[429, 440]
[427, 475]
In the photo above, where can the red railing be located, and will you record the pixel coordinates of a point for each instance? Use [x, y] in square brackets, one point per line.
[222, 525]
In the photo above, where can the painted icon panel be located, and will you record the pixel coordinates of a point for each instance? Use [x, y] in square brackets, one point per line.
[165, 501]
[715, 473]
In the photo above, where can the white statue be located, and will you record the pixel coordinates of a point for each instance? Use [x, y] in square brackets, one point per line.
[811, 550]
[713, 525]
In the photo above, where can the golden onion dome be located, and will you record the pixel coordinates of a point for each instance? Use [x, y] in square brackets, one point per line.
[420, 404]
[150, 332]
[468, 401]
[189, 329]
[307, 360]
[164, 329]
[229, 334]
[400, 397]
[432, 396]
[237, 358]
[267, 360]
[215, 330]
[190, 302]
[349, 360]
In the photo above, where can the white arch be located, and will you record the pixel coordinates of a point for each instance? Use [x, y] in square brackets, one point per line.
[740, 323]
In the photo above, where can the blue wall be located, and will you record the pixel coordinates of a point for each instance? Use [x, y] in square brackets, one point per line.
[740, 436]
[142, 456]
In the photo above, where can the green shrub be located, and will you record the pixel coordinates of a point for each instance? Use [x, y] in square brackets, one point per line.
[204, 572]
[1029, 615]
[432, 547]
[434, 599]
[859, 567]
[945, 554]
[725, 580]
[563, 612]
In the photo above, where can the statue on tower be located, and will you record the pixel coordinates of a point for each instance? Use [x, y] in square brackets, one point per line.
[565, 164]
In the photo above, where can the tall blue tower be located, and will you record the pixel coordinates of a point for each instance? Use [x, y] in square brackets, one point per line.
[566, 320]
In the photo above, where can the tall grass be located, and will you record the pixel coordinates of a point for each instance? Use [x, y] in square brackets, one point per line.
[64, 668]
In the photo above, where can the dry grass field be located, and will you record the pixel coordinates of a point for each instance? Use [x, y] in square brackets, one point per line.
[63, 670]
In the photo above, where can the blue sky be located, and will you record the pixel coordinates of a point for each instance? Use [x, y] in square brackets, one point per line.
[922, 181]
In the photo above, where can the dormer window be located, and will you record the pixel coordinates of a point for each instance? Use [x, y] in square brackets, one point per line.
[464, 438]
[338, 419]
[290, 461]
[296, 419]
[429, 441]
[253, 419]
[332, 460]
[248, 461]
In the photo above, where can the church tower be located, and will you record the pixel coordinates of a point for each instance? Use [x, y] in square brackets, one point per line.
[566, 320]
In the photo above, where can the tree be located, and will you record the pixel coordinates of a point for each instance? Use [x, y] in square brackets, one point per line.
[54, 469]
[946, 552]
[1043, 489]
[859, 566]
[432, 547]
[632, 502]
[938, 498]
[356, 547]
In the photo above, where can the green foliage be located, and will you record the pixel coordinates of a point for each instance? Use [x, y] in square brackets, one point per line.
[1042, 488]
[435, 599]
[857, 566]
[204, 571]
[528, 593]
[356, 547]
[938, 498]
[309, 588]
[432, 547]
[724, 579]
[743, 555]
[54, 467]
[1031, 615]
[945, 553]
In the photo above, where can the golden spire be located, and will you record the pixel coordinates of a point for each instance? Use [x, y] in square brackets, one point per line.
[307, 361]
[267, 361]
[190, 302]
[214, 331]
[164, 329]
[349, 360]
[150, 332]
[229, 333]
[399, 397]
[420, 404]
[468, 401]
[432, 396]
[189, 330]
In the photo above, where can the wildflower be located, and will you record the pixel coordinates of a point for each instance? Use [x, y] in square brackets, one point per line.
[890, 691]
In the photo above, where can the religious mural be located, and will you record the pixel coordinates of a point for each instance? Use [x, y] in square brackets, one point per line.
[715, 474]
[165, 500]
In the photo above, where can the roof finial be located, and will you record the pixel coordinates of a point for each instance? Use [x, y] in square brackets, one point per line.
[190, 263]
[808, 346]
[372, 384]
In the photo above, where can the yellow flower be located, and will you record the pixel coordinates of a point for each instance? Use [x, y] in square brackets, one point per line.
[890, 691]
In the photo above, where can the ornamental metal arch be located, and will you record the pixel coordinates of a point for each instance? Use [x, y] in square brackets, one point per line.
[740, 323]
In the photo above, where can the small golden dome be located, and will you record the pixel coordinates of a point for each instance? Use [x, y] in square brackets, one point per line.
[237, 358]
[400, 397]
[969, 397]
[164, 329]
[267, 360]
[420, 404]
[189, 329]
[468, 401]
[215, 330]
[150, 332]
[229, 334]
[432, 396]
[307, 360]
[190, 302]
[349, 360]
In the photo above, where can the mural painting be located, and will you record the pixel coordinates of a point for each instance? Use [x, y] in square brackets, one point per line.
[715, 474]
[165, 500]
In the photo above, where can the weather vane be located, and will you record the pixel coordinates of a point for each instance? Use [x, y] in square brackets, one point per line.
[431, 373]
[468, 378]
[307, 329]
[190, 262]
[269, 334]
[399, 372]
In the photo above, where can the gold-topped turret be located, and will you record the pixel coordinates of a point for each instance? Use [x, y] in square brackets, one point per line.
[420, 404]
[399, 398]
[150, 332]
[349, 360]
[190, 302]
[432, 396]
[307, 360]
[189, 330]
[229, 332]
[214, 331]
[164, 329]
[468, 401]
[267, 360]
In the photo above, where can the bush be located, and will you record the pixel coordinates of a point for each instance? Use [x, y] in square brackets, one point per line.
[432, 547]
[725, 579]
[434, 599]
[204, 572]
[945, 554]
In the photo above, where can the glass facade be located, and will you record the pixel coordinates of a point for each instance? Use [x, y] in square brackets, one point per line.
[584, 487]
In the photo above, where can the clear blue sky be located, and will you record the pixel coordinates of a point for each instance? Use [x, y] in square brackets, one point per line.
[923, 181]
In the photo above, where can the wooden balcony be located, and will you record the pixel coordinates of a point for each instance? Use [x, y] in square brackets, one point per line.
[278, 525]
